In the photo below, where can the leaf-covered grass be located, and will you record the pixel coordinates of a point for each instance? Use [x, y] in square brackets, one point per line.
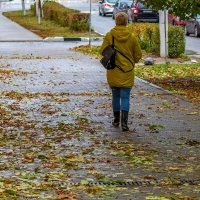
[86, 49]
[47, 28]
[183, 79]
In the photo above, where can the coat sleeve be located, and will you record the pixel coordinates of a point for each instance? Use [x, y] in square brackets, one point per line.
[105, 43]
[137, 53]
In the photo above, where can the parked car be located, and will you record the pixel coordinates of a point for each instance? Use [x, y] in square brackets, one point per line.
[106, 7]
[193, 26]
[121, 6]
[175, 20]
[140, 13]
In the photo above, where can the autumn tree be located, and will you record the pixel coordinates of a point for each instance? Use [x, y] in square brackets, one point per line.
[182, 8]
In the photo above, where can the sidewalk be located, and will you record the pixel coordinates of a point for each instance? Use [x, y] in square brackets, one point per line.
[10, 31]
[55, 128]
[56, 138]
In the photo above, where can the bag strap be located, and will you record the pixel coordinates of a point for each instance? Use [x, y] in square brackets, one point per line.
[113, 42]
[128, 60]
[113, 45]
[125, 57]
[123, 70]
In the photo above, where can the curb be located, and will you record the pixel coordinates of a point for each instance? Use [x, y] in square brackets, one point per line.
[72, 39]
[22, 40]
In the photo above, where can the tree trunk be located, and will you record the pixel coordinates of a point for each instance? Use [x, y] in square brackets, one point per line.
[23, 7]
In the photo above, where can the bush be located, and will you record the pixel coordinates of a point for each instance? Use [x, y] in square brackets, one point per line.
[79, 22]
[33, 9]
[145, 32]
[176, 41]
[80, 26]
[149, 38]
[65, 16]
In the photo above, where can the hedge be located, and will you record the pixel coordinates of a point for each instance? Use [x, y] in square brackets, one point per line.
[64, 16]
[149, 38]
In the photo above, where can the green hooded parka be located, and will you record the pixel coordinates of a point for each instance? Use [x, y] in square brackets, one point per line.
[126, 43]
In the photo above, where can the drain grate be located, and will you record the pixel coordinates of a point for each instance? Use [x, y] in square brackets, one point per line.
[136, 183]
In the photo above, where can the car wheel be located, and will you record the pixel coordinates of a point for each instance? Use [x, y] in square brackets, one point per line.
[104, 14]
[134, 20]
[186, 32]
[196, 31]
[100, 13]
[130, 20]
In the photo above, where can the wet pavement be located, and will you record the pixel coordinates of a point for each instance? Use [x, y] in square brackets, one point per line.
[56, 138]
[57, 141]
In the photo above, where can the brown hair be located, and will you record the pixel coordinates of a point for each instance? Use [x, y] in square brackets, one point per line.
[121, 18]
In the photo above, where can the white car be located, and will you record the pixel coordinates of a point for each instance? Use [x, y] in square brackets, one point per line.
[106, 7]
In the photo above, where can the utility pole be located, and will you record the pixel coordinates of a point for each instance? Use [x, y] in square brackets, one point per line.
[163, 24]
[90, 23]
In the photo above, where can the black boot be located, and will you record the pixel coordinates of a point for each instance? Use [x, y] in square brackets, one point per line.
[124, 121]
[115, 122]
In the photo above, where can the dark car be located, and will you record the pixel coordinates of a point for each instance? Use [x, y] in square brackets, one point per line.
[121, 6]
[141, 13]
[106, 7]
[193, 26]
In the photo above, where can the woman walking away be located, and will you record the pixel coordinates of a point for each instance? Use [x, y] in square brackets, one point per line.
[121, 78]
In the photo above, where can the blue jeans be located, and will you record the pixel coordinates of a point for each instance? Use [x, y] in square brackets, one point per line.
[120, 99]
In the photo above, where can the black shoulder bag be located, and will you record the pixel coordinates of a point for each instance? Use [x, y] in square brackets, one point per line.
[109, 55]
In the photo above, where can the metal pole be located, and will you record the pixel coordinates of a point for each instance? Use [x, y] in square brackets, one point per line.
[90, 23]
[166, 35]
